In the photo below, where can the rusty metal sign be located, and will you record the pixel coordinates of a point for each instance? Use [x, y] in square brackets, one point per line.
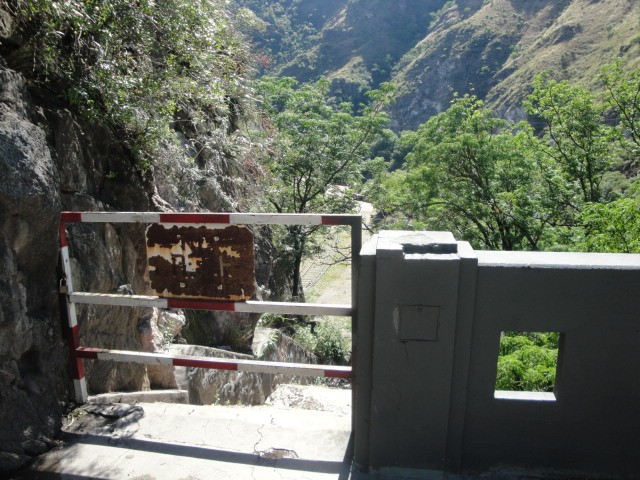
[199, 262]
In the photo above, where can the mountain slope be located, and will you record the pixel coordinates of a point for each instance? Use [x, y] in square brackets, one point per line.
[494, 48]
[356, 47]
[432, 49]
[365, 35]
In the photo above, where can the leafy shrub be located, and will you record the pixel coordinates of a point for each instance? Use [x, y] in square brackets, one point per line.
[527, 361]
[326, 341]
[332, 345]
[305, 337]
[613, 227]
[154, 72]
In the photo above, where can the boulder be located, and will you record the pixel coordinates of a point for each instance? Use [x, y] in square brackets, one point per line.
[240, 388]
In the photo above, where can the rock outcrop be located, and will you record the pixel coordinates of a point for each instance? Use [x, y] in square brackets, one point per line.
[207, 387]
[53, 159]
[33, 374]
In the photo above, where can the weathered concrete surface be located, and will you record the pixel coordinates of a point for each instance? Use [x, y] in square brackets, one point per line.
[312, 397]
[169, 441]
[165, 441]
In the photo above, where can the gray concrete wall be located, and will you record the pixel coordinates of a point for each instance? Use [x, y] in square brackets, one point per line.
[431, 312]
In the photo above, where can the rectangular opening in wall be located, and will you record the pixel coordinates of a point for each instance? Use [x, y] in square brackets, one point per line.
[527, 364]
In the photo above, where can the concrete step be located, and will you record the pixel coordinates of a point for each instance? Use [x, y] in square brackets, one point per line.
[146, 396]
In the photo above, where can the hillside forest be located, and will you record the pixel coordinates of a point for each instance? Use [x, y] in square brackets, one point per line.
[561, 178]
[514, 125]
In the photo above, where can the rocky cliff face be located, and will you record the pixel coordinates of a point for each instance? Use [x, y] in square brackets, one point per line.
[52, 160]
[33, 377]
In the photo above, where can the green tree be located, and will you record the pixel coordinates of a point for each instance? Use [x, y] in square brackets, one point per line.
[623, 96]
[577, 138]
[471, 173]
[316, 156]
[614, 226]
[527, 361]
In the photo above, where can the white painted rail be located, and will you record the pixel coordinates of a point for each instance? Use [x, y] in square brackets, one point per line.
[240, 365]
[71, 297]
[251, 306]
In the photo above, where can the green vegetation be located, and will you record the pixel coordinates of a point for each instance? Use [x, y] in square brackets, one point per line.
[500, 186]
[354, 44]
[173, 81]
[577, 139]
[285, 28]
[326, 341]
[527, 361]
[327, 338]
[613, 227]
[623, 97]
[151, 71]
[471, 173]
[315, 157]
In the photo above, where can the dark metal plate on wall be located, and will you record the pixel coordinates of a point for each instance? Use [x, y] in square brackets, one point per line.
[200, 262]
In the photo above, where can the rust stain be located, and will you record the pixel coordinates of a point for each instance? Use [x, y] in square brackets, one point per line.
[200, 262]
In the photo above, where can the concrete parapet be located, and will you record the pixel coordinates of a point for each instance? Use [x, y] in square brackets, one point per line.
[431, 311]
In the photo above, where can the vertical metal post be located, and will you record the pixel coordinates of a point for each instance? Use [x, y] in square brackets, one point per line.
[356, 246]
[77, 367]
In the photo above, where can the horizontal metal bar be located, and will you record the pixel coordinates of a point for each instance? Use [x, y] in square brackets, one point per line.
[251, 306]
[117, 300]
[212, 218]
[241, 365]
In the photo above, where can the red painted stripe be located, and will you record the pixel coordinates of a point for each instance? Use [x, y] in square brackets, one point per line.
[337, 373]
[71, 217]
[200, 304]
[64, 242]
[77, 367]
[195, 218]
[85, 352]
[75, 336]
[333, 220]
[187, 362]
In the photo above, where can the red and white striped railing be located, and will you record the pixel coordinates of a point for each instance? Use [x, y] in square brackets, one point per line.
[211, 218]
[79, 353]
[249, 306]
[240, 365]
